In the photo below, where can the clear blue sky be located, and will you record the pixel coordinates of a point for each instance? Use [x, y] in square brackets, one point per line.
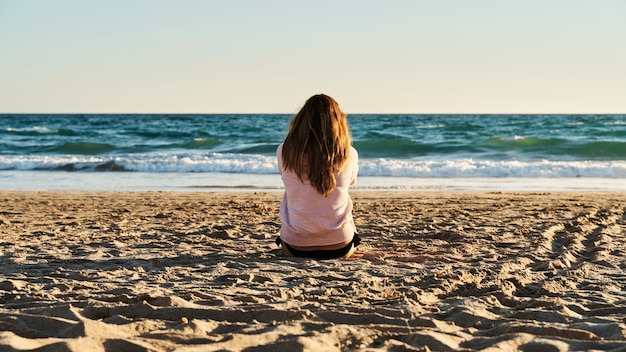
[256, 56]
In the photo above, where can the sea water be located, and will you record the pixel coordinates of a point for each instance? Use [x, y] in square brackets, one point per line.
[396, 152]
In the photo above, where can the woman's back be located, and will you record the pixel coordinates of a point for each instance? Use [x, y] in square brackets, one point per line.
[311, 219]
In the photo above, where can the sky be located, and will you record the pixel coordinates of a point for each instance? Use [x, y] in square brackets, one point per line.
[269, 56]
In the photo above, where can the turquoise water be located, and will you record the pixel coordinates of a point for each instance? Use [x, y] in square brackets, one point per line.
[207, 151]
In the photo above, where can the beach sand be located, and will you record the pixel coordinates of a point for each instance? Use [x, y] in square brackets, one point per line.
[438, 271]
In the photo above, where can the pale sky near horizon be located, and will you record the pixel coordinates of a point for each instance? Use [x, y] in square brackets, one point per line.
[269, 56]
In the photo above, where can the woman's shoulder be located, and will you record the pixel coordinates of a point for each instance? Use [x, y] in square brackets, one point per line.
[353, 153]
[279, 151]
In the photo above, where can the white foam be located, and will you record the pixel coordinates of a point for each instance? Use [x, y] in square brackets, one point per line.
[263, 164]
[489, 168]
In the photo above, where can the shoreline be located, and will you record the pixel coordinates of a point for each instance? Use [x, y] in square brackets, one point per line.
[448, 270]
[211, 182]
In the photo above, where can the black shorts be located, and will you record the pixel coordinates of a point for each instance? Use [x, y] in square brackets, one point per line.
[322, 253]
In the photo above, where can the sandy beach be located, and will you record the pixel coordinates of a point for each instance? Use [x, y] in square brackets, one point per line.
[199, 271]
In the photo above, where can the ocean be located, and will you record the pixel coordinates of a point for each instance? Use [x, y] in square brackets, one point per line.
[134, 152]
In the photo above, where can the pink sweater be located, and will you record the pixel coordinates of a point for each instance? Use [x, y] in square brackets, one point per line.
[308, 218]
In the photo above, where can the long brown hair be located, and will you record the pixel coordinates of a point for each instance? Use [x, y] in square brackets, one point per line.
[318, 143]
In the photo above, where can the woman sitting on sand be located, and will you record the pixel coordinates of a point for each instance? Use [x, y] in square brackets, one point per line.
[317, 164]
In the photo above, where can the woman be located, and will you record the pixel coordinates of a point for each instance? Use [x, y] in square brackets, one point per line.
[317, 164]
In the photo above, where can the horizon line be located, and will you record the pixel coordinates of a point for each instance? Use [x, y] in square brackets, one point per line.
[293, 113]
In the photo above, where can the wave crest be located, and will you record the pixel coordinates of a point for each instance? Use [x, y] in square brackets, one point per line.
[262, 164]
